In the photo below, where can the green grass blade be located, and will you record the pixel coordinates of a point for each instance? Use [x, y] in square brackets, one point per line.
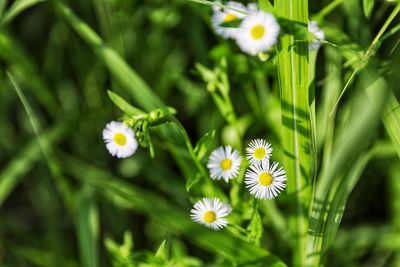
[127, 108]
[332, 191]
[128, 196]
[294, 87]
[46, 149]
[391, 121]
[87, 223]
[394, 198]
[18, 7]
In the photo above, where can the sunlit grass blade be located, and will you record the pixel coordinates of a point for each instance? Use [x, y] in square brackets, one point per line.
[296, 135]
[337, 180]
[170, 215]
[353, 53]
[87, 223]
[391, 120]
[330, 91]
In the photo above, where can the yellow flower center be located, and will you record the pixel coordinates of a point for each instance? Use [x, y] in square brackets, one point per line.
[259, 153]
[226, 164]
[265, 179]
[230, 17]
[257, 32]
[120, 139]
[209, 216]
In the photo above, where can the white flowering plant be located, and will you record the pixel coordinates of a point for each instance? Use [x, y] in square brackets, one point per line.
[202, 133]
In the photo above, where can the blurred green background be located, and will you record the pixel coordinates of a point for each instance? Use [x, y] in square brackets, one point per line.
[55, 205]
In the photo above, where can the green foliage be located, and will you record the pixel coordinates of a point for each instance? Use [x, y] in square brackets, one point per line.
[332, 116]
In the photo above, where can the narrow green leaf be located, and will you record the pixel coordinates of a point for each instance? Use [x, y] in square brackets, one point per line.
[124, 106]
[3, 4]
[391, 121]
[265, 5]
[346, 164]
[293, 70]
[192, 181]
[18, 7]
[256, 228]
[87, 223]
[203, 145]
[368, 6]
[162, 252]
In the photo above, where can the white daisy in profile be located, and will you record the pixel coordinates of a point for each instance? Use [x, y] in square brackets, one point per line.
[258, 151]
[257, 33]
[265, 181]
[317, 33]
[211, 212]
[221, 16]
[224, 163]
[120, 139]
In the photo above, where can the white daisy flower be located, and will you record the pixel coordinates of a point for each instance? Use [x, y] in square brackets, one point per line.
[319, 35]
[224, 163]
[265, 181]
[120, 139]
[258, 151]
[211, 212]
[227, 15]
[257, 33]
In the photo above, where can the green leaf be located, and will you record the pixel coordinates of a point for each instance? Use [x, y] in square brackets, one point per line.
[192, 181]
[123, 105]
[368, 6]
[87, 223]
[265, 5]
[346, 163]
[256, 228]
[162, 252]
[293, 67]
[203, 145]
[18, 7]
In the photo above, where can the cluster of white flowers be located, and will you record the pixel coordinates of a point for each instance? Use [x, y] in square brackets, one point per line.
[258, 31]
[263, 179]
